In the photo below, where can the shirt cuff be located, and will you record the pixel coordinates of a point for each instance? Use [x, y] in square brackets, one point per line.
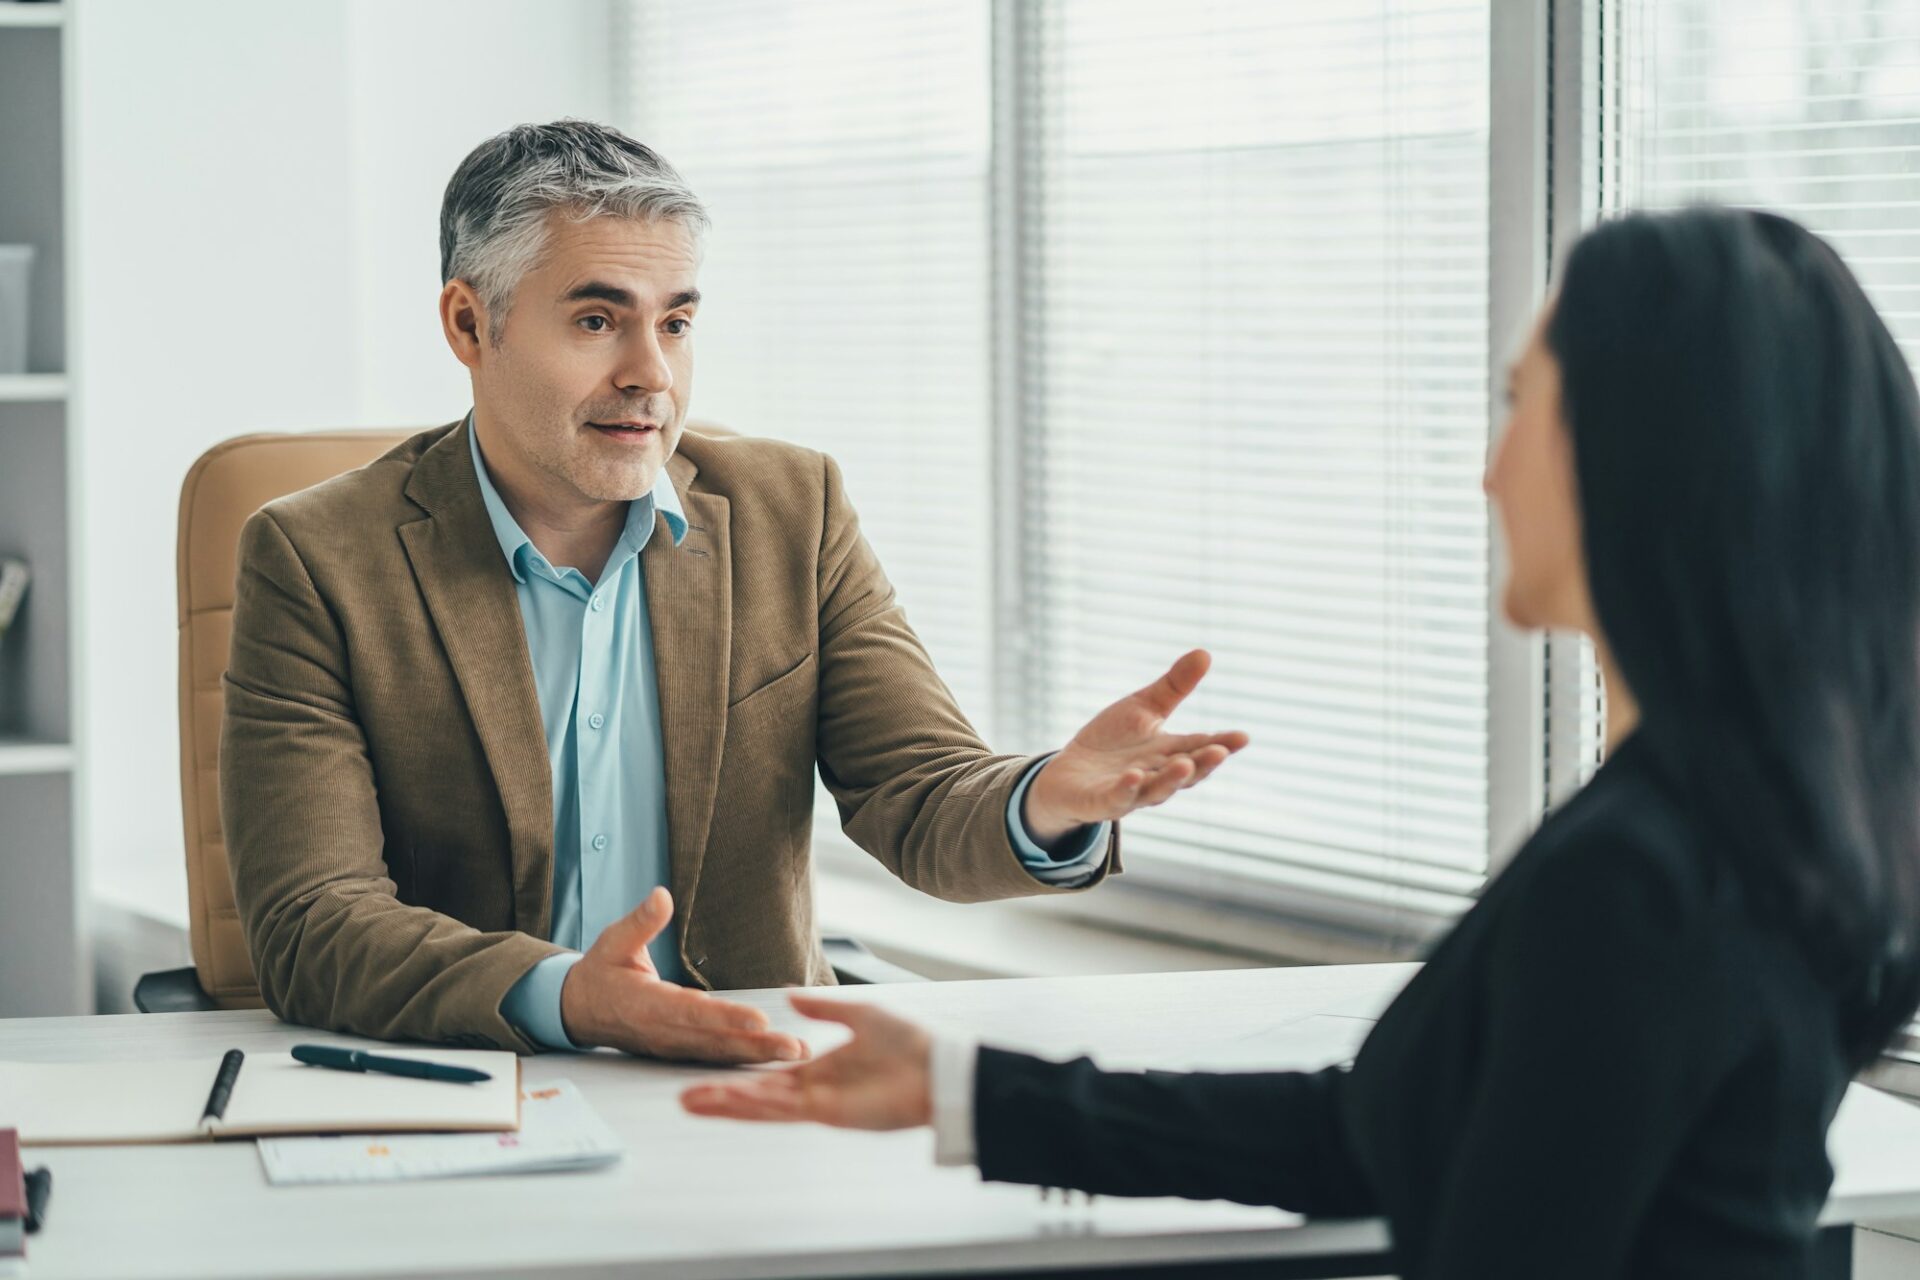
[1075, 863]
[533, 1003]
[951, 1069]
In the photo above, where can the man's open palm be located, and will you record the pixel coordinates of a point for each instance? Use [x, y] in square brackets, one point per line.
[1125, 760]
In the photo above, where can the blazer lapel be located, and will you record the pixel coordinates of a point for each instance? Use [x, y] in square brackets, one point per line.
[469, 593]
[690, 600]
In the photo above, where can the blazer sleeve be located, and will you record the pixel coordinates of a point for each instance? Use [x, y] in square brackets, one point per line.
[331, 944]
[1267, 1138]
[915, 785]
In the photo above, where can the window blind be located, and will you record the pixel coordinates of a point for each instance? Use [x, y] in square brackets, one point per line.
[842, 149]
[1255, 417]
[1807, 107]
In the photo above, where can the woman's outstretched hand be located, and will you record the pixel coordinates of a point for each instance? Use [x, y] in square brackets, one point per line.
[881, 1079]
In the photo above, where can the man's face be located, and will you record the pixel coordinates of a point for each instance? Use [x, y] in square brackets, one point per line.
[589, 384]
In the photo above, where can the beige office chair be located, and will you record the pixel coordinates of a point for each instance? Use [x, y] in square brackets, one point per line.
[228, 484]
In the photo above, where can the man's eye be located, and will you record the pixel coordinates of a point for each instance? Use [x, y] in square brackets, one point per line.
[602, 320]
[685, 324]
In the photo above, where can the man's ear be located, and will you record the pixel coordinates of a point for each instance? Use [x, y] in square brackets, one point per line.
[463, 319]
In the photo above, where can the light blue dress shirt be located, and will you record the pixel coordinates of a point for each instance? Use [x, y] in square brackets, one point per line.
[592, 649]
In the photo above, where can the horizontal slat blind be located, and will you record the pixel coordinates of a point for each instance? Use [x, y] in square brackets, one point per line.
[842, 149]
[1808, 107]
[1256, 415]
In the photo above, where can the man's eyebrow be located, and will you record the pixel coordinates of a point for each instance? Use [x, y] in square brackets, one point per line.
[600, 290]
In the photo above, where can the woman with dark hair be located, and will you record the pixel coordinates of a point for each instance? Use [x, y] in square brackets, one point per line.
[1623, 1060]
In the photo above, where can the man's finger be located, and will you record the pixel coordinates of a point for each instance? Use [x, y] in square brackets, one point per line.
[737, 1048]
[698, 1009]
[1188, 743]
[1171, 689]
[1123, 790]
[628, 936]
[1210, 758]
[1205, 760]
[1164, 781]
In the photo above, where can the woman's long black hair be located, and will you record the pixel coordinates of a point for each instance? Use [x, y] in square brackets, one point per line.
[1747, 441]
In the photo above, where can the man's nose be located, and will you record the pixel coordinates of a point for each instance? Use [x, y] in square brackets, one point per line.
[645, 367]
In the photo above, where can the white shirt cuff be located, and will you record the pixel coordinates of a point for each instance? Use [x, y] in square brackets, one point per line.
[951, 1069]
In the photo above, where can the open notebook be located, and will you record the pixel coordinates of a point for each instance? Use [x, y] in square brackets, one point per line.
[185, 1100]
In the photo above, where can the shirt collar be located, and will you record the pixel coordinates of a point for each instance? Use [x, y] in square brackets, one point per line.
[514, 542]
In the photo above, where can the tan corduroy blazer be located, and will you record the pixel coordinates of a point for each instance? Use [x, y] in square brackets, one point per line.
[384, 781]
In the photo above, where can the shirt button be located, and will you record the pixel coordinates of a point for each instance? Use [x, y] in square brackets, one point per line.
[599, 842]
[595, 720]
[598, 604]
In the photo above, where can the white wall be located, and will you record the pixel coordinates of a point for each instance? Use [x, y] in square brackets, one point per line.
[258, 189]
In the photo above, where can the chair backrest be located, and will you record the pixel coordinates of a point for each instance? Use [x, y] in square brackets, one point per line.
[228, 484]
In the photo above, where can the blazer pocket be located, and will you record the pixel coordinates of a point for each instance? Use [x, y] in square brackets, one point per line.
[798, 676]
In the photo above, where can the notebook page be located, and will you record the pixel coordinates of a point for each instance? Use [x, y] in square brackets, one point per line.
[82, 1102]
[275, 1094]
[558, 1131]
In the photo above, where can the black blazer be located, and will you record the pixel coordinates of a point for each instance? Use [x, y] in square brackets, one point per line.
[1611, 1067]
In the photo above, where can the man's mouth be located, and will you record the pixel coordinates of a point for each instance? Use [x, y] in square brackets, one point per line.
[630, 431]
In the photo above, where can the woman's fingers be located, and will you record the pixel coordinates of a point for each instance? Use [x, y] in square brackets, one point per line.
[847, 1013]
[774, 1098]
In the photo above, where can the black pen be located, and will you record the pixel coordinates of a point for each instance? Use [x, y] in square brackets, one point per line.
[338, 1059]
[39, 1191]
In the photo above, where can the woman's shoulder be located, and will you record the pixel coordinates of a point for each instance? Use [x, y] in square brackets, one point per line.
[1627, 844]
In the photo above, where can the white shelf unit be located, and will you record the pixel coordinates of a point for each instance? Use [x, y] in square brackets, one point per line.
[32, 388]
[22, 757]
[45, 967]
[34, 16]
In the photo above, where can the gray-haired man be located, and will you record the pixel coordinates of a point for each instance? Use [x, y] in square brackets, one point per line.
[490, 695]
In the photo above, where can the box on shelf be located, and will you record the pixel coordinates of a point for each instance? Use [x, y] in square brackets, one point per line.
[16, 274]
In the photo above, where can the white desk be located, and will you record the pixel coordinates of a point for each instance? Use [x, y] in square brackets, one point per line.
[705, 1198]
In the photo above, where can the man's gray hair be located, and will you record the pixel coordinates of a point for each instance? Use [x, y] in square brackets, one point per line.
[493, 219]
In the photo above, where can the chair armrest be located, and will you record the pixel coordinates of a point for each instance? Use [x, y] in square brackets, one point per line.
[171, 991]
[854, 965]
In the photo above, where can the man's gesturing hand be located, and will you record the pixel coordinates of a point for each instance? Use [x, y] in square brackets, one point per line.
[615, 997]
[1122, 761]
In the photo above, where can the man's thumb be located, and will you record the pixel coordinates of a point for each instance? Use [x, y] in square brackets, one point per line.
[629, 935]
